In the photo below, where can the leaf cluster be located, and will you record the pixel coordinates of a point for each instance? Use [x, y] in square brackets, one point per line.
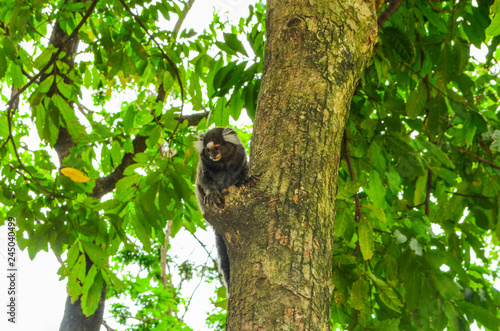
[418, 206]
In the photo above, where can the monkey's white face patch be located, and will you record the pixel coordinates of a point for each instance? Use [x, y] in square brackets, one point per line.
[217, 156]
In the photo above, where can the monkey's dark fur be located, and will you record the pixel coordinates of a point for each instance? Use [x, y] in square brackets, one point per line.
[223, 163]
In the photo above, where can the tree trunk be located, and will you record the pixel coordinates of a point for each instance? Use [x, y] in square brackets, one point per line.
[280, 232]
[75, 320]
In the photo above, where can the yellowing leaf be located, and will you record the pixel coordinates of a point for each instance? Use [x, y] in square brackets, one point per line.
[75, 175]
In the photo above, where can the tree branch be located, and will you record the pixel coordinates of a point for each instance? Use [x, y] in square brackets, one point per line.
[488, 162]
[192, 119]
[163, 255]
[393, 6]
[178, 25]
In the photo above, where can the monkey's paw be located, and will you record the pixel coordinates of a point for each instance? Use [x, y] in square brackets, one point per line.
[214, 198]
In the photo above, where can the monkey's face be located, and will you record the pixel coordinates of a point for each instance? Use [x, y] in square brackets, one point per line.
[219, 145]
[214, 151]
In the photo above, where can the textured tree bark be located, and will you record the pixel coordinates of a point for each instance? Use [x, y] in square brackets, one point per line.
[280, 232]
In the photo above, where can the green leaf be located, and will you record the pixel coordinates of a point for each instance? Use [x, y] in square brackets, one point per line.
[387, 294]
[344, 222]
[378, 157]
[116, 153]
[138, 223]
[72, 124]
[485, 317]
[413, 290]
[495, 146]
[92, 296]
[394, 181]
[45, 57]
[76, 277]
[494, 28]
[446, 287]
[236, 104]
[433, 17]
[366, 238]
[3, 63]
[128, 119]
[64, 89]
[4, 126]
[17, 76]
[9, 49]
[154, 136]
[461, 55]
[223, 75]
[376, 190]
[469, 130]
[251, 94]
[387, 324]
[415, 105]
[399, 43]
[46, 84]
[420, 191]
[436, 151]
[437, 120]
[359, 293]
[233, 43]
[220, 114]
[95, 253]
[347, 190]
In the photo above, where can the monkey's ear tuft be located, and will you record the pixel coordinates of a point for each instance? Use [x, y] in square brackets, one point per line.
[198, 144]
[231, 136]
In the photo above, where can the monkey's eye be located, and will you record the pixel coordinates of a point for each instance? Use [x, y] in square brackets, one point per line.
[213, 148]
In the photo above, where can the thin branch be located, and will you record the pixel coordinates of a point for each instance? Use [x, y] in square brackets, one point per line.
[163, 254]
[450, 122]
[475, 196]
[490, 163]
[34, 29]
[436, 8]
[194, 291]
[393, 6]
[204, 247]
[178, 25]
[192, 119]
[107, 326]
[84, 110]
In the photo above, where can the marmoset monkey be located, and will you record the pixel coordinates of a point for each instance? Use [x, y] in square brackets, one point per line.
[223, 163]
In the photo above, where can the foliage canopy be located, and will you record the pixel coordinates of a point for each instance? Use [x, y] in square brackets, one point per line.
[418, 204]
